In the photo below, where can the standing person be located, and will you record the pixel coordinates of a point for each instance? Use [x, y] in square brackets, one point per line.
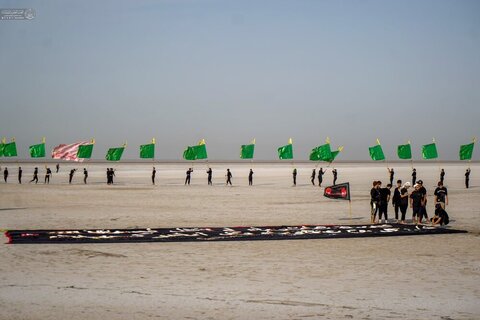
[20, 171]
[374, 200]
[416, 202]
[320, 176]
[5, 174]
[392, 174]
[108, 176]
[85, 175]
[229, 177]
[154, 172]
[312, 178]
[70, 176]
[47, 176]
[384, 199]
[414, 176]
[209, 176]
[250, 178]
[112, 174]
[334, 171]
[294, 174]
[187, 178]
[423, 191]
[442, 176]
[467, 178]
[35, 176]
[404, 201]
[441, 195]
[58, 167]
[396, 199]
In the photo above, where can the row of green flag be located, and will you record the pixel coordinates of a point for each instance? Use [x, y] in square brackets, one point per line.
[199, 151]
[429, 151]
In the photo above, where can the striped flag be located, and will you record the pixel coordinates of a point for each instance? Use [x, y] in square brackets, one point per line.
[68, 151]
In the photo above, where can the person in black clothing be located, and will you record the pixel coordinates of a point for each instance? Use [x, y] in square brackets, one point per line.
[441, 216]
[20, 171]
[112, 174]
[414, 176]
[320, 176]
[384, 199]
[404, 200]
[467, 178]
[250, 177]
[294, 173]
[442, 175]
[154, 172]
[441, 195]
[416, 203]
[334, 171]
[229, 177]
[374, 200]
[392, 174]
[187, 178]
[108, 176]
[209, 176]
[312, 178]
[70, 176]
[396, 199]
[35, 176]
[58, 167]
[423, 191]
[47, 176]
[85, 175]
[5, 174]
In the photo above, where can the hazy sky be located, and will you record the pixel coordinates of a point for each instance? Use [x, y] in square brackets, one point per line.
[229, 71]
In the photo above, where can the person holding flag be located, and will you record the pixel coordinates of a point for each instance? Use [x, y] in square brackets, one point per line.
[467, 178]
[321, 172]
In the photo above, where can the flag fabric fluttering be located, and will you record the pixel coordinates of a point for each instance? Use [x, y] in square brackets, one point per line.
[197, 152]
[115, 154]
[429, 151]
[404, 151]
[37, 150]
[68, 151]
[321, 153]
[247, 150]
[2, 146]
[10, 149]
[339, 191]
[85, 151]
[286, 152]
[147, 151]
[466, 151]
[376, 152]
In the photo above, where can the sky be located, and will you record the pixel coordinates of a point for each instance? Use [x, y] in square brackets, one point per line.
[230, 71]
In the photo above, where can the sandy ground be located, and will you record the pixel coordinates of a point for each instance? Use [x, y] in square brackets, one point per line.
[421, 277]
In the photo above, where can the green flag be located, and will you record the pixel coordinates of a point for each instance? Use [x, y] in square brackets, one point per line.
[404, 151]
[10, 149]
[2, 146]
[334, 155]
[429, 151]
[37, 150]
[247, 151]
[197, 152]
[147, 151]
[466, 151]
[321, 153]
[85, 151]
[285, 152]
[114, 154]
[376, 153]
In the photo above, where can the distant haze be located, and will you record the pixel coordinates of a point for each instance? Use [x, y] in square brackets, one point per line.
[231, 71]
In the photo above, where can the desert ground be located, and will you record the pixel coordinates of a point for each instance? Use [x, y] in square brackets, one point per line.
[418, 277]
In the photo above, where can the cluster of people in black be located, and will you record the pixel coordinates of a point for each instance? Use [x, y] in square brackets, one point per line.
[417, 200]
[228, 176]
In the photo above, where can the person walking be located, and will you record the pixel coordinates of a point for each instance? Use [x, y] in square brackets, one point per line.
[209, 176]
[85, 175]
[294, 174]
[187, 178]
[47, 176]
[35, 176]
[5, 174]
[154, 172]
[442, 176]
[20, 172]
[467, 178]
[320, 176]
[312, 178]
[70, 176]
[396, 199]
[392, 174]
[57, 167]
[414, 176]
[250, 178]
[229, 177]
[334, 172]
[441, 195]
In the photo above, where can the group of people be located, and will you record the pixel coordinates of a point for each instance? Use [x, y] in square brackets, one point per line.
[402, 199]
[228, 176]
[321, 172]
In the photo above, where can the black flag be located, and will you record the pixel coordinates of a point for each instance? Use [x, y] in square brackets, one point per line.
[339, 191]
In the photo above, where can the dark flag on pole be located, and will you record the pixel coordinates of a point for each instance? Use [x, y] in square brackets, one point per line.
[338, 191]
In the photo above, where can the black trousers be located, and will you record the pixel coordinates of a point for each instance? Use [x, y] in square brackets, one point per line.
[397, 208]
[403, 209]
[467, 184]
[383, 211]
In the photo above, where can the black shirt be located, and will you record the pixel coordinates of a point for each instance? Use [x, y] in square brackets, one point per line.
[417, 198]
[441, 193]
[374, 195]
[396, 196]
[384, 194]
[404, 200]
